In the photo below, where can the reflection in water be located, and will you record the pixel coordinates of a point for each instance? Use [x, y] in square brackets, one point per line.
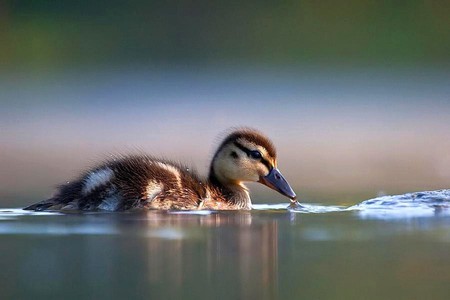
[189, 255]
[250, 251]
[263, 254]
[149, 254]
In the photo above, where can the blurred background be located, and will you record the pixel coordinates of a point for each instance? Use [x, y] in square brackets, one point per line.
[355, 94]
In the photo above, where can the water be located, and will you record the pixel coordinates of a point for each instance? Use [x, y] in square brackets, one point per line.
[386, 248]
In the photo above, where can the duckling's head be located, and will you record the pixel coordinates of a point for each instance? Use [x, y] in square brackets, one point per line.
[248, 155]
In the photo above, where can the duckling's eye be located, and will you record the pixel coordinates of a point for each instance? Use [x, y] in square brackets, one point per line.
[255, 154]
[234, 155]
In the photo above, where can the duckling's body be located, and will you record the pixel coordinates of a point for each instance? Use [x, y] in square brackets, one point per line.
[144, 182]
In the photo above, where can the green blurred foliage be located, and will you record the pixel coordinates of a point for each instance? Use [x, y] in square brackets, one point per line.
[39, 32]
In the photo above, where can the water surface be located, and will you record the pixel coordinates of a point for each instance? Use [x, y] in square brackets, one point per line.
[385, 248]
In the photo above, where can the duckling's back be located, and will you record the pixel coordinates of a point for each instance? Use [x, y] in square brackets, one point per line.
[138, 181]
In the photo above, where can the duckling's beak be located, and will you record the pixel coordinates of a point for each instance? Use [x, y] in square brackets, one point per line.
[276, 181]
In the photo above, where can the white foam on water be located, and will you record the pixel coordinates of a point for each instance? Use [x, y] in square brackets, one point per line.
[17, 212]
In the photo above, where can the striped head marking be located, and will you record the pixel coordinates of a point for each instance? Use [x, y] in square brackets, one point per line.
[248, 155]
[244, 155]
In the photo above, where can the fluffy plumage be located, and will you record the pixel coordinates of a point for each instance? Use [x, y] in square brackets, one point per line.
[145, 182]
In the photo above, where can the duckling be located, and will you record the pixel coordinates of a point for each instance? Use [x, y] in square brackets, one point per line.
[145, 182]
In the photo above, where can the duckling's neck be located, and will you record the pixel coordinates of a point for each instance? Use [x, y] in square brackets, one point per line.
[234, 192]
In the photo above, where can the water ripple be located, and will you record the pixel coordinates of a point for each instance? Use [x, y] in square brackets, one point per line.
[411, 205]
[419, 204]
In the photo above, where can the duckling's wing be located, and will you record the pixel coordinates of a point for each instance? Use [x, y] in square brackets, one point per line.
[130, 182]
